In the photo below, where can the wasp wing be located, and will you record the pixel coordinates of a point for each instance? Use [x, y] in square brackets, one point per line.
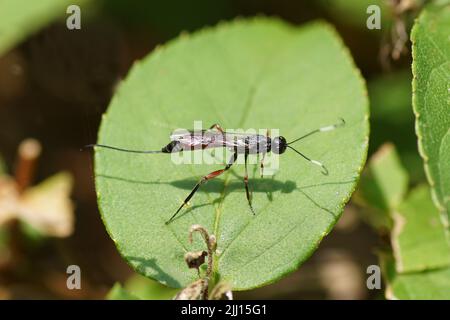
[209, 139]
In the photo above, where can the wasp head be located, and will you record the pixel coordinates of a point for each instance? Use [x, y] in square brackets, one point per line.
[279, 145]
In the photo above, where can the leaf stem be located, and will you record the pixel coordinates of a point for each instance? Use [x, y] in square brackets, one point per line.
[211, 244]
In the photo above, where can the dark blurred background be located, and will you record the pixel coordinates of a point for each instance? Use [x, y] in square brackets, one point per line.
[56, 84]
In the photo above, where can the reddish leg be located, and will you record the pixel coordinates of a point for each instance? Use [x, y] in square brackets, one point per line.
[217, 127]
[203, 180]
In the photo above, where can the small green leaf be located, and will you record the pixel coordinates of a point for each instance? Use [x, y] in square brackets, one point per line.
[418, 237]
[259, 73]
[20, 18]
[444, 166]
[431, 97]
[140, 287]
[117, 292]
[147, 289]
[386, 179]
[426, 285]
[383, 185]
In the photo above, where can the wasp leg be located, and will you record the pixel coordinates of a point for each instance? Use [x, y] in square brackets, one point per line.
[203, 180]
[262, 165]
[217, 127]
[249, 195]
[264, 154]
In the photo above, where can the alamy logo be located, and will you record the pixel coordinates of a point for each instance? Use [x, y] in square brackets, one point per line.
[74, 20]
[74, 278]
[374, 20]
[374, 280]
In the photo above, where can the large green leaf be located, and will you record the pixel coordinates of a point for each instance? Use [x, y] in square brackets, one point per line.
[20, 18]
[259, 73]
[431, 97]
[418, 237]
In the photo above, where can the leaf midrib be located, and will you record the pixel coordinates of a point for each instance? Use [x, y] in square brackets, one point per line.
[246, 111]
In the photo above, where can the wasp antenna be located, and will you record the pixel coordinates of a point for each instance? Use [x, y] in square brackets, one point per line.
[320, 164]
[317, 163]
[322, 129]
[334, 126]
[121, 149]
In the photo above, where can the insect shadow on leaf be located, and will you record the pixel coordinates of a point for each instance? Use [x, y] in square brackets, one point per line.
[142, 265]
[268, 186]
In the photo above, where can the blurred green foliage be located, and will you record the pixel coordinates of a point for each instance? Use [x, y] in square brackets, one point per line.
[168, 17]
[354, 12]
[392, 119]
[21, 18]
